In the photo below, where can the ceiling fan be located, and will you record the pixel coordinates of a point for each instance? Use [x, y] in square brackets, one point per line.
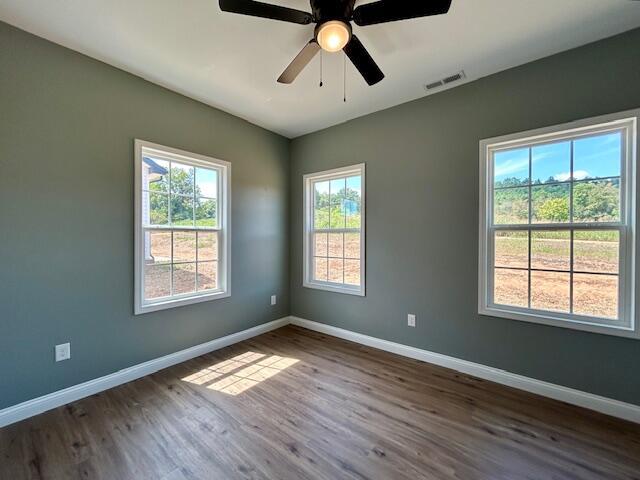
[333, 27]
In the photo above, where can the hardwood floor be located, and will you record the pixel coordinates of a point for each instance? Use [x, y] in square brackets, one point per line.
[295, 404]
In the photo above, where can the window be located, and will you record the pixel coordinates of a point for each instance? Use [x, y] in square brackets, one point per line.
[182, 228]
[334, 230]
[557, 223]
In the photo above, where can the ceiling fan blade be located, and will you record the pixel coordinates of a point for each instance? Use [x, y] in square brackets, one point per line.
[266, 10]
[297, 65]
[363, 61]
[390, 11]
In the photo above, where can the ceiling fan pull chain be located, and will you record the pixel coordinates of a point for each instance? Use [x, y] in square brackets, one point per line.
[344, 80]
[320, 67]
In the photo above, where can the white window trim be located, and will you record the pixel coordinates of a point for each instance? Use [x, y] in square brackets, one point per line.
[224, 236]
[627, 325]
[307, 180]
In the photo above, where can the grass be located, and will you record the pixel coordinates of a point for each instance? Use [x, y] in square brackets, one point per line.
[590, 250]
[188, 222]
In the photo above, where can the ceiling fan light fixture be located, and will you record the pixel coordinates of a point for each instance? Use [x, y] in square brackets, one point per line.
[333, 35]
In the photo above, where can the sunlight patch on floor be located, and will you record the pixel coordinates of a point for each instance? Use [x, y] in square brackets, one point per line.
[237, 374]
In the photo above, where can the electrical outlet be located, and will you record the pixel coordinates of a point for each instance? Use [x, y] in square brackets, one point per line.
[63, 352]
[411, 320]
[273, 299]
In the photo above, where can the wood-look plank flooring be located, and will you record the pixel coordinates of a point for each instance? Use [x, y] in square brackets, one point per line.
[295, 404]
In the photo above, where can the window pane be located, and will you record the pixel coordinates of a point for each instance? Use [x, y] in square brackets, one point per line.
[207, 276]
[336, 269]
[206, 213]
[353, 202]
[182, 179]
[352, 272]
[551, 250]
[595, 295]
[321, 218]
[321, 194]
[184, 278]
[181, 211]
[550, 291]
[184, 246]
[511, 206]
[511, 287]
[551, 162]
[321, 244]
[338, 190]
[511, 249]
[321, 204]
[157, 247]
[354, 188]
[206, 183]
[320, 266]
[550, 203]
[155, 175]
[352, 245]
[511, 167]
[596, 201]
[597, 157]
[353, 213]
[157, 281]
[337, 214]
[207, 246]
[596, 251]
[335, 245]
[155, 209]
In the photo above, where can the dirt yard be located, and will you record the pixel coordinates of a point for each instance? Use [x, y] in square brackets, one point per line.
[337, 257]
[594, 294]
[188, 275]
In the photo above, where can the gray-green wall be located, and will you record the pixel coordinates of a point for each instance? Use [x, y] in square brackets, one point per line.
[67, 125]
[422, 217]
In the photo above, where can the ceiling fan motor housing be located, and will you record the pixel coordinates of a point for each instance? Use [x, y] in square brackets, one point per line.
[327, 10]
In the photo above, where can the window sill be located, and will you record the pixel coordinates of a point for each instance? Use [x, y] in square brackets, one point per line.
[547, 318]
[357, 291]
[180, 302]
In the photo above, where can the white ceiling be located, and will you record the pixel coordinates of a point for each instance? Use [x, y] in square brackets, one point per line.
[231, 61]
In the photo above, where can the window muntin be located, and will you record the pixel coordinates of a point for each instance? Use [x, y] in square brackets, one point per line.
[557, 226]
[181, 227]
[334, 230]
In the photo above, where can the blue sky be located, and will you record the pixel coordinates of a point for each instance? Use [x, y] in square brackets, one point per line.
[597, 156]
[207, 180]
[353, 183]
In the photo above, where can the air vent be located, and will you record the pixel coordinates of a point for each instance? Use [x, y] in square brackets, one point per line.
[431, 86]
[456, 77]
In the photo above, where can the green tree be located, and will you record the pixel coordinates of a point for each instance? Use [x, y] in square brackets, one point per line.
[554, 210]
[511, 205]
[332, 212]
[596, 201]
[510, 182]
[183, 188]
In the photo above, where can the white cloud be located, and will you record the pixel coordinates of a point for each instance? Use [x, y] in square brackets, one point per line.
[578, 175]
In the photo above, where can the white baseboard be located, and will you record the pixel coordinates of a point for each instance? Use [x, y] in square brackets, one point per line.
[604, 405]
[600, 404]
[62, 397]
